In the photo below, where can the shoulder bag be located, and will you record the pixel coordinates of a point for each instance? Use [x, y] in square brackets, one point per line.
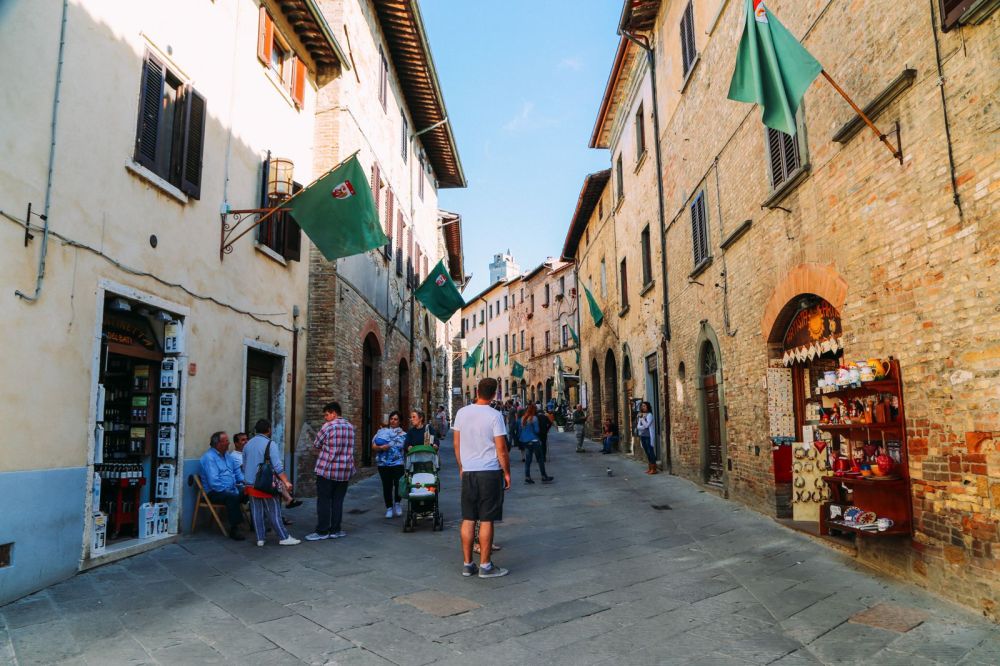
[264, 481]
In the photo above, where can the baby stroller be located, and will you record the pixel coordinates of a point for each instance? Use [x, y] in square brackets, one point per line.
[420, 486]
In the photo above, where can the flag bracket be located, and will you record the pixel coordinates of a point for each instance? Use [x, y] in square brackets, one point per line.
[897, 150]
[234, 219]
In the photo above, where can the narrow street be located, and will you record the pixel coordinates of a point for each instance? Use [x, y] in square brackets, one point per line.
[625, 569]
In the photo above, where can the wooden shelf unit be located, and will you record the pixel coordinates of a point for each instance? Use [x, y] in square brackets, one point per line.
[888, 498]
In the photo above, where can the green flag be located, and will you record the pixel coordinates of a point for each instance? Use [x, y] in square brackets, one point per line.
[517, 371]
[506, 358]
[473, 360]
[576, 338]
[439, 294]
[338, 212]
[595, 311]
[772, 68]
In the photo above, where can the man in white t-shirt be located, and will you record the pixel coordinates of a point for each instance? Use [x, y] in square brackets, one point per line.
[481, 451]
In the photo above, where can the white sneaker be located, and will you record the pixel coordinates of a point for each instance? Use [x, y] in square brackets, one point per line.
[316, 536]
[338, 535]
[398, 509]
[388, 513]
[260, 544]
[290, 541]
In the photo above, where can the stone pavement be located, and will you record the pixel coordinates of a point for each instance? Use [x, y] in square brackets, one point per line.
[620, 569]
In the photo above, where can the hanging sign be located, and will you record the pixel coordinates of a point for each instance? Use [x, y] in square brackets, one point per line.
[129, 333]
[812, 332]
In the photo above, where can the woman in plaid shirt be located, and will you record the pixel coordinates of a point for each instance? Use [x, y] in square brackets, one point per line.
[334, 469]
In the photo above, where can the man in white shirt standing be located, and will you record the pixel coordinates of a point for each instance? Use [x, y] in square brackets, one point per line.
[481, 451]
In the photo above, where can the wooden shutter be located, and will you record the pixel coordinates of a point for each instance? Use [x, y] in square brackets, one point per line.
[783, 153]
[150, 104]
[699, 232]
[298, 82]
[194, 142]
[688, 51]
[293, 239]
[951, 12]
[265, 37]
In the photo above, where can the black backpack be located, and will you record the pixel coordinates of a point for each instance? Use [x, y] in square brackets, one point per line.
[544, 424]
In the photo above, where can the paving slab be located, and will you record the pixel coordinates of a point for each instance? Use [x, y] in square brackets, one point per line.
[598, 576]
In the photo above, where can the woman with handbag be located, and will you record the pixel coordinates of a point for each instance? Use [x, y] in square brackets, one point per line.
[528, 438]
[644, 428]
[262, 463]
[388, 447]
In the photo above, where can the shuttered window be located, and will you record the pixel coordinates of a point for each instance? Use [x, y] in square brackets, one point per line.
[951, 12]
[619, 178]
[783, 156]
[383, 78]
[623, 273]
[400, 233]
[647, 257]
[640, 135]
[688, 50]
[170, 131]
[699, 230]
[275, 53]
[279, 232]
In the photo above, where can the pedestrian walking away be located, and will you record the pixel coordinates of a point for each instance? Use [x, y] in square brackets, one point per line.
[388, 448]
[265, 502]
[441, 425]
[481, 452]
[545, 421]
[644, 428]
[532, 445]
[580, 426]
[334, 469]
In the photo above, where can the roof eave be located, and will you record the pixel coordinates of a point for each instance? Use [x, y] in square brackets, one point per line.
[596, 140]
[593, 183]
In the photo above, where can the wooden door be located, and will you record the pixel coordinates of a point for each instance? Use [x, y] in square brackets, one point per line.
[368, 401]
[713, 433]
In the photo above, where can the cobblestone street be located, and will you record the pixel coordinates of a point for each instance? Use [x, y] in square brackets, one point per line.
[621, 568]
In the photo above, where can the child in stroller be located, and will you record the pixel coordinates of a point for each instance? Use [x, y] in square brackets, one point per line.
[420, 487]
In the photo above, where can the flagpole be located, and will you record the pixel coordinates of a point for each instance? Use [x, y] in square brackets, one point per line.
[895, 151]
[267, 216]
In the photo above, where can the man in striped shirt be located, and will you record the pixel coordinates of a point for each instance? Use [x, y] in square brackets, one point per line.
[334, 468]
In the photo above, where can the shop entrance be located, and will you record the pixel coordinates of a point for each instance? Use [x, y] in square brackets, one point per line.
[133, 488]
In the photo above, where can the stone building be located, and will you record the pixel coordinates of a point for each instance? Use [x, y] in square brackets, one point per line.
[485, 320]
[897, 258]
[140, 334]
[372, 346]
[629, 353]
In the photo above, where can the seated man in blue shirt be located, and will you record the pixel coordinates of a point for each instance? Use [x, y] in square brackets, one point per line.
[221, 483]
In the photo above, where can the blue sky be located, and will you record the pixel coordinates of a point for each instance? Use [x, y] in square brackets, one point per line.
[522, 81]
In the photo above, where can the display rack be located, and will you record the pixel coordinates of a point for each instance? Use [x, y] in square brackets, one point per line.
[889, 496]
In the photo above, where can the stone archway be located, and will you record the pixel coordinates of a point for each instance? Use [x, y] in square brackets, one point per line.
[611, 386]
[596, 400]
[371, 397]
[823, 280]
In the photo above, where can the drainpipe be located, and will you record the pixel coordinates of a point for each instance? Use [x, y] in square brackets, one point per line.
[52, 158]
[295, 376]
[643, 43]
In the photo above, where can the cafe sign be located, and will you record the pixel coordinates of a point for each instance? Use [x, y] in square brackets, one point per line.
[813, 331]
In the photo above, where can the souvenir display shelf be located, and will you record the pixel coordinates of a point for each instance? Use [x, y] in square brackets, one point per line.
[886, 496]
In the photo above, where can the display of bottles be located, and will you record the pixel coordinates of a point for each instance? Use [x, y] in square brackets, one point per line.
[119, 471]
[140, 414]
[114, 419]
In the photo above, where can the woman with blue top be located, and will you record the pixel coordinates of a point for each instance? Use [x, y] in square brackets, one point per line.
[388, 447]
[529, 438]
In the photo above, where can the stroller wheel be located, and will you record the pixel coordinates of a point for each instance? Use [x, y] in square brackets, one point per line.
[438, 522]
[408, 519]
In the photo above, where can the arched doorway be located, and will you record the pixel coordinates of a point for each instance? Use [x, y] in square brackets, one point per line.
[548, 389]
[596, 400]
[611, 387]
[404, 390]
[711, 421]
[371, 355]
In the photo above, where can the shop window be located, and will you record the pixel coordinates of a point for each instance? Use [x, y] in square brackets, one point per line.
[688, 51]
[170, 134]
[279, 232]
[699, 230]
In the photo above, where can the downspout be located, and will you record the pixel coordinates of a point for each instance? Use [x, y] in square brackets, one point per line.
[52, 158]
[295, 376]
[944, 111]
[643, 43]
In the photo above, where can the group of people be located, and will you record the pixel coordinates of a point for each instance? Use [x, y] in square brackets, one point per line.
[254, 472]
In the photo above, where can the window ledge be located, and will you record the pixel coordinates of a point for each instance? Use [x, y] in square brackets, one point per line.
[647, 287]
[736, 234]
[156, 181]
[690, 72]
[623, 311]
[640, 161]
[783, 190]
[265, 250]
[618, 203]
[701, 267]
[877, 105]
